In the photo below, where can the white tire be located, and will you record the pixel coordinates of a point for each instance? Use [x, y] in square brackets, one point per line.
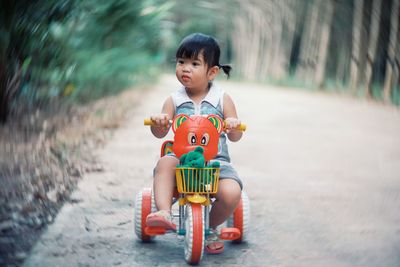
[194, 236]
[144, 205]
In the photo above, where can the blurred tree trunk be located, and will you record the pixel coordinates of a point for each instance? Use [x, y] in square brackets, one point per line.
[10, 81]
[255, 23]
[6, 18]
[240, 37]
[372, 45]
[343, 65]
[304, 43]
[10, 66]
[286, 16]
[392, 47]
[3, 91]
[248, 38]
[269, 44]
[275, 67]
[237, 36]
[396, 64]
[309, 44]
[324, 43]
[267, 54]
[357, 35]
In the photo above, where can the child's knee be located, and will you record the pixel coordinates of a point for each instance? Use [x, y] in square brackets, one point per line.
[236, 195]
[229, 191]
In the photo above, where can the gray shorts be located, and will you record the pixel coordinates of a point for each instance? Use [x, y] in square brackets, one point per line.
[226, 171]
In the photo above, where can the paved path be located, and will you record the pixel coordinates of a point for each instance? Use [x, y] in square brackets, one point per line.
[322, 173]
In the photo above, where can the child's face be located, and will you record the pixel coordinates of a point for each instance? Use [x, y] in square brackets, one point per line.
[194, 74]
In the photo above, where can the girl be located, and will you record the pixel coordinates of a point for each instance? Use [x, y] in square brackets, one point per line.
[197, 64]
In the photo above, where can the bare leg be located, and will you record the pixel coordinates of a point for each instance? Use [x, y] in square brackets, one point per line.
[227, 198]
[164, 182]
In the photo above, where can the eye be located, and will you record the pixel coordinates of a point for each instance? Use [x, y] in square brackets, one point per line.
[192, 138]
[180, 61]
[205, 139]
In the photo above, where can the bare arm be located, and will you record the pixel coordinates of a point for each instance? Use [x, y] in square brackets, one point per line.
[231, 119]
[161, 121]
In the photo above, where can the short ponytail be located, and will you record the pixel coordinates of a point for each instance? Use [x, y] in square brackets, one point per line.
[226, 68]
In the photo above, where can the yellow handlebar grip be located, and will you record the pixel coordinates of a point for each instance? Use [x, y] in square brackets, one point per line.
[148, 122]
[242, 127]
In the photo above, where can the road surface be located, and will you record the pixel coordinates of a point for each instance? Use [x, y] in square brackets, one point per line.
[322, 173]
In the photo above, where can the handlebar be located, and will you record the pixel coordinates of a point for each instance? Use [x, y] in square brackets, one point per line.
[149, 122]
[242, 127]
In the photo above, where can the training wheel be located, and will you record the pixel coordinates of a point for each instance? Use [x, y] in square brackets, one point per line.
[241, 217]
[144, 205]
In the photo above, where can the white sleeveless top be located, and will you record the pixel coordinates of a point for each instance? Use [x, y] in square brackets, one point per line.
[211, 104]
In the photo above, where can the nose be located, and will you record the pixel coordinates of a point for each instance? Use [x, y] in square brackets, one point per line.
[186, 67]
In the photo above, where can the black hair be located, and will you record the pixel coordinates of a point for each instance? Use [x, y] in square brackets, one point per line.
[196, 43]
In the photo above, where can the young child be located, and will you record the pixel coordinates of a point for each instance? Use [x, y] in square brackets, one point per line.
[197, 64]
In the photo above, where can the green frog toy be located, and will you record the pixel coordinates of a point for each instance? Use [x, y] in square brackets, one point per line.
[197, 176]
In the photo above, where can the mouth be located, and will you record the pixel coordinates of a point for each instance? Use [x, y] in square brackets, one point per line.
[185, 78]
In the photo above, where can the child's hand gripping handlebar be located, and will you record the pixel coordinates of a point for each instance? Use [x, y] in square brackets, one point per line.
[242, 127]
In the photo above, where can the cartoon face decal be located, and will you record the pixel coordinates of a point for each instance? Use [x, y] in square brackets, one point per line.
[194, 131]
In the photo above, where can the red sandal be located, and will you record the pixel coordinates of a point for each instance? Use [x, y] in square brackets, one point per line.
[213, 244]
[161, 218]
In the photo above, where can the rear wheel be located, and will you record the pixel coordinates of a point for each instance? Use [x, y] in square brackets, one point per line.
[144, 205]
[194, 236]
[240, 218]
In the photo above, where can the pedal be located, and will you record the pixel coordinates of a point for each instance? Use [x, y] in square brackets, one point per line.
[154, 230]
[230, 233]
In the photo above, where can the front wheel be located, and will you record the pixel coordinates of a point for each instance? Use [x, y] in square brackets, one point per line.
[240, 218]
[144, 205]
[194, 236]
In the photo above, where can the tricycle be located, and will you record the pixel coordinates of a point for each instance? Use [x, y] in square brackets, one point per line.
[195, 188]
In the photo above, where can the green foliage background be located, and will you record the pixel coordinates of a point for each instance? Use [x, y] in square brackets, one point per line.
[115, 44]
[77, 50]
